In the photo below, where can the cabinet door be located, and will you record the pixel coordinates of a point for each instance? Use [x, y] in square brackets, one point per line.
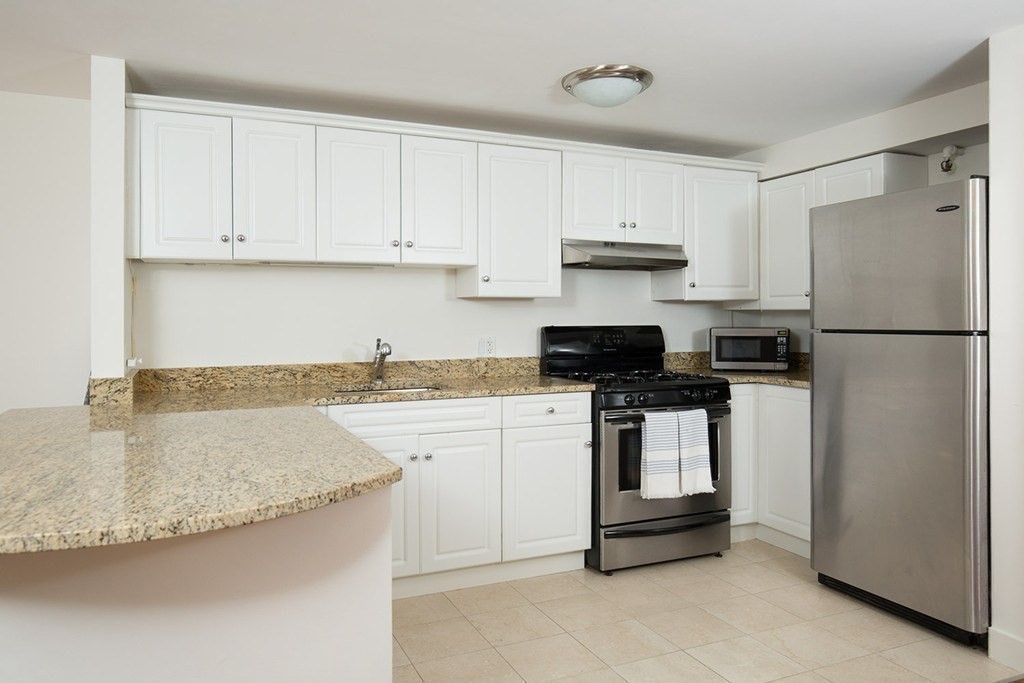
[520, 235]
[786, 242]
[849, 180]
[274, 190]
[784, 460]
[359, 216]
[185, 193]
[593, 197]
[743, 421]
[654, 202]
[460, 500]
[439, 209]
[405, 502]
[545, 490]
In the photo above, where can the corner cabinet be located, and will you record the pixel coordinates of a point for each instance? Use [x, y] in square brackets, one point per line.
[721, 239]
[519, 248]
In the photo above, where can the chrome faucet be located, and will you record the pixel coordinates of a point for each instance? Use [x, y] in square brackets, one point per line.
[379, 356]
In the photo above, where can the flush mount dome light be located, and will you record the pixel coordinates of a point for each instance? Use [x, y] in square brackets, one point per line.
[607, 85]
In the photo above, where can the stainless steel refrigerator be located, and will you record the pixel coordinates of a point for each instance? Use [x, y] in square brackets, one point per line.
[899, 403]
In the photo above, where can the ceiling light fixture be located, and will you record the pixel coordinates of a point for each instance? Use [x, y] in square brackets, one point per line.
[607, 85]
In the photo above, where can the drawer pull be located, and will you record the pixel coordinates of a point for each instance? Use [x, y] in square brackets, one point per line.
[550, 411]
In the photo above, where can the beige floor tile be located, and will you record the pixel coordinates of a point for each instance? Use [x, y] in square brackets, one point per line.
[940, 659]
[758, 551]
[550, 587]
[870, 669]
[756, 578]
[667, 571]
[597, 581]
[750, 614]
[671, 668]
[405, 674]
[805, 677]
[474, 667]
[644, 598]
[486, 598]
[422, 610]
[745, 660]
[398, 657]
[424, 642]
[699, 591]
[810, 600]
[602, 676]
[794, 565]
[810, 646]
[514, 625]
[690, 627]
[582, 611]
[872, 629]
[550, 658]
[712, 564]
[623, 642]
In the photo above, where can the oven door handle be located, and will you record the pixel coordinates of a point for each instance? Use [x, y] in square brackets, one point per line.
[638, 533]
[714, 413]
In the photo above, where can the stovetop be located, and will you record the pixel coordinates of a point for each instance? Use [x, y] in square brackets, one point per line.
[610, 379]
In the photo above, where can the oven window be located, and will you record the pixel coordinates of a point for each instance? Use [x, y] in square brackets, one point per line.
[630, 446]
[733, 349]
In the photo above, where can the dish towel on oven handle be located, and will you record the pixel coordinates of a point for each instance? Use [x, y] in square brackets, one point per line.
[659, 456]
[694, 452]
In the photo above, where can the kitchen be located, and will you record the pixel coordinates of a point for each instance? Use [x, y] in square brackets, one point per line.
[214, 316]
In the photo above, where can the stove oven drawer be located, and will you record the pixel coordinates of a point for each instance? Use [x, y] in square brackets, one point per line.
[541, 410]
[632, 545]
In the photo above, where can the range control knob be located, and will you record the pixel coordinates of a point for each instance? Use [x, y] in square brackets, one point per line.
[708, 393]
[629, 399]
[643, 398]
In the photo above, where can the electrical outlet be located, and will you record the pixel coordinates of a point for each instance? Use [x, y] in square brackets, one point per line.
[485, 347]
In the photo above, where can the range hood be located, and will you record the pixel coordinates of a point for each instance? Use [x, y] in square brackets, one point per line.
[621, 256]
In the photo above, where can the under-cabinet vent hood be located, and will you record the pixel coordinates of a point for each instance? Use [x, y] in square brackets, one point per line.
[621, 256]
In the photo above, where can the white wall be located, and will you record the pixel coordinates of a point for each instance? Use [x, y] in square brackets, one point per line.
[1006, 327]
[237, 315]
[972, 161]
[44, 250]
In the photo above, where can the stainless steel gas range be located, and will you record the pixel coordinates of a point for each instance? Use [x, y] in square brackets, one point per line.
[627, 365]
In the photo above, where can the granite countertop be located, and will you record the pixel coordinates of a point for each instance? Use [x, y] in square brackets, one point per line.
[90, 477]
[801, 379]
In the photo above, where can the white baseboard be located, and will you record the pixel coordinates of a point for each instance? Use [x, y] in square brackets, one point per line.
[747, 532]
[1006, 648]
[469, 577]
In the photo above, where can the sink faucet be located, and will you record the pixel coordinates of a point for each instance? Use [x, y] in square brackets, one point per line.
[379, 356]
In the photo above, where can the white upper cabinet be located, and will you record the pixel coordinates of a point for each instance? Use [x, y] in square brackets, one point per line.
[520, 234]
[721, 239]
[359, 216]
[785, 241]
[869, 177]
[274, 191]
[185, 186]
[439, 201]
[615, 199]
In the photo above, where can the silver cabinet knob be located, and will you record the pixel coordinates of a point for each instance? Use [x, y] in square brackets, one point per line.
[396, 243]
[632, 225]
[240, 238]
[588, 444]
[622, 224]
[486, 278]
[428, 456]
[807, 293]
[225, 238]
[409, 243]
[693, 284]
[414, 457]
[550, 411]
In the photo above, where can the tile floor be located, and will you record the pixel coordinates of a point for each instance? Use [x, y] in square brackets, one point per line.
[756, 614]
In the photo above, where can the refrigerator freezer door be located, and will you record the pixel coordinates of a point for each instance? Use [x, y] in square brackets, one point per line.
[899, 470]
[908, 261]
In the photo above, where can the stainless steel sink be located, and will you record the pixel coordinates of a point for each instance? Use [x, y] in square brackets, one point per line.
[370, 389]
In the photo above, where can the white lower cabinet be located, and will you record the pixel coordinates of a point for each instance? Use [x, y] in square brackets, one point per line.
[405, 502]
[771, 435]
[545, 490]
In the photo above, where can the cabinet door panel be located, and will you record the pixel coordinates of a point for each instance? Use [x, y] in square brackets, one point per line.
[545, 490]
[274, 191]
[594, 192]
[460, 500]
[358, 196]
[185, 193]
[785, 242]
[849, 180]
[405, 503]
[654, 202]
[784, 460]
[439, 207]
[744, 453]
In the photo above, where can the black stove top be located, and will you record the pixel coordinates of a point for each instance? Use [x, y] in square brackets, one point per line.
[612, 379]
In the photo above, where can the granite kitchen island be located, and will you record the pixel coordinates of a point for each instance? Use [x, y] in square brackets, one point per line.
[130, 548]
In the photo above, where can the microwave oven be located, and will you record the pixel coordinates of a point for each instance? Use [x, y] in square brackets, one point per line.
[750, 348]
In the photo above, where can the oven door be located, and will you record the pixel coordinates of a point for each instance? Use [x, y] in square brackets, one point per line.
[619, 445]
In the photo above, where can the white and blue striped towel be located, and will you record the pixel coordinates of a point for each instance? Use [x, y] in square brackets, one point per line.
[694, 453]
[659, 456]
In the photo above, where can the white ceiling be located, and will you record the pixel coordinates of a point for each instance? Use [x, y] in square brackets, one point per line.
[730, 76]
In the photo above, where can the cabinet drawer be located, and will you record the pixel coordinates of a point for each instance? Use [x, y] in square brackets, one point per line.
[418, 417]
[545, 409]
